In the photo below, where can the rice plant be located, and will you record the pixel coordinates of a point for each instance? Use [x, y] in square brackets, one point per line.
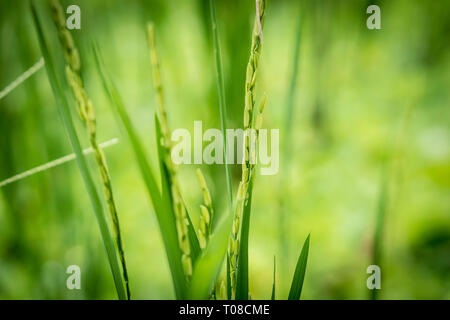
[73, 57]
[238, 245]
[181, 217]
[133, 75]
[195, 255]
[237, 252]
[87, 114]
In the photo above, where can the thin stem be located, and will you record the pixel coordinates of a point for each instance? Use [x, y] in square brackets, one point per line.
[178, 203]
[238, 244]
[221, 93]
[54, 163]
[24, 76]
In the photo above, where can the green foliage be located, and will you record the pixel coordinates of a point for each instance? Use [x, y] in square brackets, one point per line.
[221, 93]
[89, 184]
[335, 101]
[161, 201]
[299, 274]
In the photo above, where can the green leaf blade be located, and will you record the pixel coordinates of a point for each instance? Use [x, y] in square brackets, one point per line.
[87, 178]
[299, 274]
[166, 186]
[221, 94]
[161, 202]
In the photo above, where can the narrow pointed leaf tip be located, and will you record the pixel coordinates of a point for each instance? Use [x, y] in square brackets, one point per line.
[300, 270]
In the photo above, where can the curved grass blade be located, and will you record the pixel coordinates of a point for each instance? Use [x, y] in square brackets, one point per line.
[239, 257]
[161, 203]
[221, 93]
[299, 274]
[210, 262]
[87, 178]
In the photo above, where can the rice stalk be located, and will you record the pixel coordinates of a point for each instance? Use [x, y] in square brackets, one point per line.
[182, 221]
[207, 212]
[159, 198]
[87, 114]
[243, 199]
[242, 287]
[63, 107]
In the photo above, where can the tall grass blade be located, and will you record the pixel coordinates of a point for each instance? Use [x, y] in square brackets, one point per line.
[87, 178]
[252, 120]
[299, 274]
[161, 202]
[87, 114]
[221, 93]
[186, 234]
[166, 187]
[242, 267]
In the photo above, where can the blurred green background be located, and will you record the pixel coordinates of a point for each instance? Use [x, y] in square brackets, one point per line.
[370, 106]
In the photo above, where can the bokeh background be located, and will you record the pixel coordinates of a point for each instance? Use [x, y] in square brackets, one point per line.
[370, 113]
